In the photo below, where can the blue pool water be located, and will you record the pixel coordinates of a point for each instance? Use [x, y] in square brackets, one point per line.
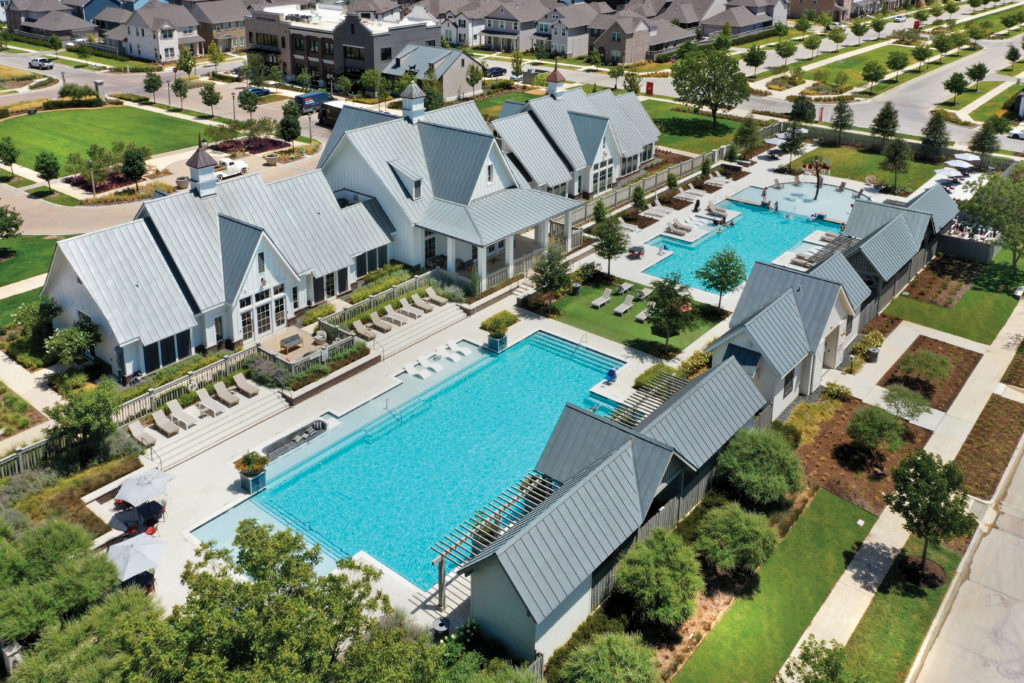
[836, 204]
[759, 235]
[400, 482]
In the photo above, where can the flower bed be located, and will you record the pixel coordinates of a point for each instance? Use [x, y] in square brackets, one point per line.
[988, 448]
[114, 181]
[945, 281]
[248, 145]
[1015, 373]
[941, 393]
[884, 323]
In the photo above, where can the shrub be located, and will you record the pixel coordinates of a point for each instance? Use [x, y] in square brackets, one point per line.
[68, 381]
[694, 365]
[648, 375]
[790, 431]
[872, 339]
[499, 323]
[612, 657]
[587, 273]
[906, 402]
[119, 445]
[500, 84]
[926, 364]
[73, 104]
[856, 363]
[383, 272]
[731, 539]
[24, 484]
[379, 285]
[761, 466]
[597, 623]
[314, 314]
[45, 83]
[76, 90]
[837, 391]
[688, 526]
[131, 97]
[872, 428]
[661, 578]
[268, 373]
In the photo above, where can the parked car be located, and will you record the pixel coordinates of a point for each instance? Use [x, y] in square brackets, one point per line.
[1017, 133]
[496, 72]
[1018, 293]
[258, 92]
[76, 41]
[230, 167]
[40, 63]
[312, 101]
[900, 18]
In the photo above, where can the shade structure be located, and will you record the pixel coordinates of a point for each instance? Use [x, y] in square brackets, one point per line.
[136, 555]
[967, 156]
[775, 141]
[948, 173]
[136, 517]
[959, 163]
[142, 487]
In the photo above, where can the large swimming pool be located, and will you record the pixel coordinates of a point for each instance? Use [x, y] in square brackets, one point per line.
[758, 235]
[412, 472]
[834, 203]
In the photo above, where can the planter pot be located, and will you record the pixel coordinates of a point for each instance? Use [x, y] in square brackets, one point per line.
[271, 159]
[181, 182]
[253, 483]
[496, 343]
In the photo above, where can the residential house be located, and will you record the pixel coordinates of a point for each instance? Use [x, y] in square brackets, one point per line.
[510, 25]
[381, 10]
[533, 586]
[371, 43]
[45, 18]
[222, 264]
[573, 143]
[462, 22]
[158, 31]
[221, 22]
[450, 67]
[709, 16]
[565, 29]
[112, 17]
[453, 197]
[626, 38]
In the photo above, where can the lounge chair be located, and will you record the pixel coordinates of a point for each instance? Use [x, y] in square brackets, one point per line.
[447, 353]
[626, 304]
[391, 315]
[644, 293]
[409, 311]
[243, 384]
[870, 180]
[207, 404]
[453, 345]
[641, 317]
[419, 303]
[224, 395]
[410, 370]
[363, 331]
[380, 324]
[164, 424]
[842, 186]
[140, 435]
[625, 287]
[179, 415]
[778, 186]
[830, 237]
[435, 298]
[603, 299]
[859, 193]
[425, 361]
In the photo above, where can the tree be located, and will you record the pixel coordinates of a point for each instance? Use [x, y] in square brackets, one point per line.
[793, 141]
[921, 53]
[878, 25]
[615, 72]
[611, 240]
[729, 538]
[723, 41]
[842, 118]
[639, 198]
[984, 142]
[289, 128]
[53, 42]
[837, 35]
[905, 403]
[803, 110]
[47, 167]
[600, 211]
[859, 29]
[670, 310]
[934, 138]
[304, 79]
[215, 54]
[812, 43]
[343, 86]
[474, 75]
[897, 157]
[248, 101]
[261, 612]
[180, 89]
[661, 577]
[373, 84]
[872, 72]
[710, 78]
[802, 24]
[631, 82]
[781, 30]
[517, 63]
[950, 7]
[976, 32]
[210, 97]
[8, 152]
[819, 662]
[1012, 55]
[152, 84]
[35, 317]
[872, 428]
[434, 95]
[748, 136]
[755, 56]
[541, 81]
[255, 70]
[133, 164]
[186, 60]
[997, 204]
[786, 49]
[886, 123]
[955, 84]
[551, 273]
[83, 420]
[722, 273]
[10, 222]
[611, 657]
[761, 466]
[705, 168]
[897, 61]
[942, 44]
[977, 72]
[929, 495]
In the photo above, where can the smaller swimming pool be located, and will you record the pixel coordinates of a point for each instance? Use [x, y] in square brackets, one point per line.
[799, 199]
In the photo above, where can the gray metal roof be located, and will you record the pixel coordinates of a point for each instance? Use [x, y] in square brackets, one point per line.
[937, 202]
[553, 116]
[521, 134]
[698, 420]
[419, 58]
[238, 242]
[122, 270]
[747, 358]
[837, 269]
[890, 248]
[200, 159]
[494, 216]
[590, 131]
[465, 116]
[351, 118]
[777, 331]
[511, 108]
[449, 148]
[867, 217]
[413, 92]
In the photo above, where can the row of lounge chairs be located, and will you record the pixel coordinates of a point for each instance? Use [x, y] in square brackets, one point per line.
[627, 303]
[424, 365]
[181, 419]
[406, 312]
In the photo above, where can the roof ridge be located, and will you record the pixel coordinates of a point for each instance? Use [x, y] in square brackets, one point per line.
[458, 130]
[803, 273]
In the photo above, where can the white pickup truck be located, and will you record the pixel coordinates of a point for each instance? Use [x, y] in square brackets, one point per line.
[230, 167]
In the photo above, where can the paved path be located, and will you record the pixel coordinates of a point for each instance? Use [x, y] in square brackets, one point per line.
[31, 386]
[22, 286]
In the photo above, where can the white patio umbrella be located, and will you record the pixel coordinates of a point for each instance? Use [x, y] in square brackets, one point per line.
[957, 163]
[136, 555]
[775, 141]
[948, 173]
[145, 486]
[967, 156]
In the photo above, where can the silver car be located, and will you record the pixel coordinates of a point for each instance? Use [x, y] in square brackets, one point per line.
[40, 63]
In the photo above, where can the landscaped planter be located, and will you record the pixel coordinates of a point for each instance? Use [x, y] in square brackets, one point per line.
[497, 328]
[271, 159]
[252, 471]
[496, 343]
[182, 182]
[253, 483]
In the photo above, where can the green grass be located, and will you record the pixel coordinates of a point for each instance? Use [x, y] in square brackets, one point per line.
[979, 315]
[681, 129]
[885, 652]
[756, 635]
[201, 116]
[1015, 69]
[576, 311]
[995, 19]
[53, 196]
[15, 412]
[490, 107]
[849, 162]
[15, 180]
[9, 305]
[852, 66]
[1000, 105]
[31, 256]
[26, 46]
[808, 62]
[966, 98]
[103, 59]
[73, 130]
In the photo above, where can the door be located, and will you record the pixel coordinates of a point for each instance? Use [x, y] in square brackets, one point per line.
[263, 319]
[831, 348]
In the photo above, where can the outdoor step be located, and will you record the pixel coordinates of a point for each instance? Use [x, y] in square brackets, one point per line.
[414, 332]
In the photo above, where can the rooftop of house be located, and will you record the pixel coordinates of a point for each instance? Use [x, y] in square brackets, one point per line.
[59, 21]
[419, 58]
[219, 11]
[322, 17]
[158, 15]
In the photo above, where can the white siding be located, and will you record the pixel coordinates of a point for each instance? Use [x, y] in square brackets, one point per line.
[558, 627]
[502, 176]
[63, 286]
[496, 606]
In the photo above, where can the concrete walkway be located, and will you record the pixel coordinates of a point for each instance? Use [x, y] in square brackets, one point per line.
[762, 84]
[22, 286]
[31, 386]
[965, 112]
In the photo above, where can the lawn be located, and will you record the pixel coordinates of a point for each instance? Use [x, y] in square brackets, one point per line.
[682, 129]
[53, 196]
[15, 180]
[852, 66]
[979, 315]
[73, 130]
[25, 256]
[757, 634]
[1000, 105]
[490, 107]
[1011, 70]
[849, 162]
[972, 94]
[103, 59]
[9, 305]
[876, 647]
[577, 311]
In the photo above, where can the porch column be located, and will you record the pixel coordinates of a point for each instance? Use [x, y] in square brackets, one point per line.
[450, 253]
[510, 247]
[542, 233]
[481, 266]
[568, 230]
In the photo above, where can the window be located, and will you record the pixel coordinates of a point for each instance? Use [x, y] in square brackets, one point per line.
[278, 289]
[295, 298]
[417, 189]
[515, 25]
[343, 280]
[431, 43]
[264, 40]
[429, 245]
[261, 263]
[314, 46]
[329, 284]
[490, 173]
[849, 324]
[279, 314]
[166, 34]
[356, 53]
[328, 48]
[246, 324]
[168, 52]
[616, 37]
[262, 295]
[218, 328]
[245, 302]
[462, 23]
[787, 386]
[298, 43]
[263, 319]
[385, 54]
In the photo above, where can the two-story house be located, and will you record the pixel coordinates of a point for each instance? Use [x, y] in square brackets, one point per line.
[221, 22]
[158, 31]
[449, 66]
[510, 25]
[565, 29]
[44, 18]
[462, 23]
[371, 43]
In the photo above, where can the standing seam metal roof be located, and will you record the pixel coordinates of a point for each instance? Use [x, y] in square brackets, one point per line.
[868, 217]
[937, 202]
[890, 248]
[837, 269]
[778, 332]
[523, 137]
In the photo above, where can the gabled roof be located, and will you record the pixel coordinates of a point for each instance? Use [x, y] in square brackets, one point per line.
[450, 149]
[937, 202]
[521, 134]
[374, 6]
[219, 11]
[38, 5]
[777, 331]
[351, 118]
[629, 22]
[419, 58]
[238, 243]
[837, 269]
[590, 131]
[464, 116]
[553, 116]
[113, 15]
[737, 17]
[747, 358]
[118, 33]
[867, 217]
[889, 248]
[493, 216]
[574, 16]
[59, 21]
[523, 10]
[200, 159]
[156, 15]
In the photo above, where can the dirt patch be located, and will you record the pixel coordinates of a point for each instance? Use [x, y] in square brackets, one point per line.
[672, 199]
[945, 281]
[988, 448]
[941, 393]
[884, 323]
[1015, 373]
[633, 216]
[932, 576]
[832, 461]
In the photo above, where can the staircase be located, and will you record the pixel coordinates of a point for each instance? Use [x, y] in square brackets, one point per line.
[416, 331]
[645, 400]
[212, 431]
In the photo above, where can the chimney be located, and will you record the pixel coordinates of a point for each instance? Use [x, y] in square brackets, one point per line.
[412, 103]
[556, 84]
[202, 172]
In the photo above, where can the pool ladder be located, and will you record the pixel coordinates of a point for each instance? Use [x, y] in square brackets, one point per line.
[579, 344]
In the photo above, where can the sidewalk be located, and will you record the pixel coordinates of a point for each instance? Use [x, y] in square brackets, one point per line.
[31, 386]
[763, 83]
[22, 286]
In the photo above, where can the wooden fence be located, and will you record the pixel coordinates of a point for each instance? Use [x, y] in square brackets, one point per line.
[334, 321]
[29, 457]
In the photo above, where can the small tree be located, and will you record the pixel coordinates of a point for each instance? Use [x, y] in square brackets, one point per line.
[723, 41]
[667, 313]
[780, 30]
[921, 53]
[955, 84]
[215, 54]
[793, 142]
[600, 211]
[69, 345]
[8, 152]
[802, 24]
[729, 538]
[248, 101]
[83, 420]
[611, 240]
[551, 273]
[819, 662]
[942, 44]
[929, 496]
[615, 72]
[803, 110]
[343, 86]
[786, 49]
[878, 25]
[934, 138]
[722, 273]
[210, 97]
[748, 136]
[837, 35]
[152, 84]
[842, 118]
[304, 79]
[133, 164]
[905, 403]
[872, 428]
[186, 60]
[47, 167]
[705, 168]
[872, 72]
[180, 89]
[998, 204]
[977, 72]
[984, 142]
[10, 222]
[1012, 55]
[631, 82]
[761, 466]
[639, 198]
[886, 123]
[859, 29]
[661, 577]
[672, 181]
[897, 61]
[896, 155]
[474, 75]
[374, 84]
[755, 56]
[289, 129]
[53, 42]
[812, 43]
[611, 657]
[517, 63]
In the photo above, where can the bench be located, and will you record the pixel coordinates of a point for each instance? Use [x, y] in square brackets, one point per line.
[291, 343]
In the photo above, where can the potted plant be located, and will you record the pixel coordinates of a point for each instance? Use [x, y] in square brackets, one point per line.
[182, 182]
[271, 158]
[497, 326]
[252, 471]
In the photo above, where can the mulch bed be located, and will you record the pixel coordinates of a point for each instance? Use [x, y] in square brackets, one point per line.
[1015, 373]
[945, 281]
[988, 448]
[113, 182]
[249, 145]
[884, 323]
[942, 394]
[832, 461]
[633, 216]
[933, 575]
[670, 198]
